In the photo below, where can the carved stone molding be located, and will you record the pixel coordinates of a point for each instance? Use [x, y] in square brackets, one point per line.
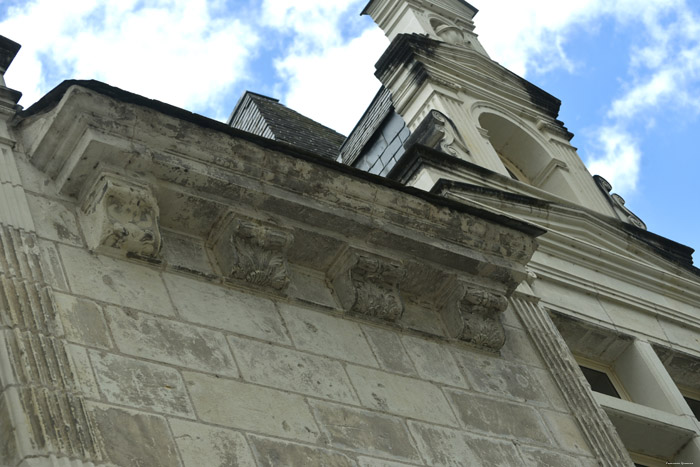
[476, 318]
[368, 285]
[121, 215]
[253, 252]
[618, 203]
[595, 425]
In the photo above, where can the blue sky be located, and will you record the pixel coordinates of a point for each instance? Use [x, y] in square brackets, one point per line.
[627, 71]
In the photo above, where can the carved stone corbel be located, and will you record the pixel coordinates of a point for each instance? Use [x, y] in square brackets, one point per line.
[122, 215]
[476, 318]
[254, 252]
[368, 285]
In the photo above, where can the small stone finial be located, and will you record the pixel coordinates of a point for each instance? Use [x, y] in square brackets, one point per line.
[121, 215]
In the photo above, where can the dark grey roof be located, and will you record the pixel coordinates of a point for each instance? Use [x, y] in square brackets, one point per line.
[372, 119]
[266, 116]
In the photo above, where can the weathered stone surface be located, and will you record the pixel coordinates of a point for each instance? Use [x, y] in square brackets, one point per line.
[250, 407]
[8, 444]
[443, 447]
[364, 461]
[493, 375]
[135, 439]
[207, 446]
[364, 431]
[545, 458]
[122, 215]
[447, 447]
[434, 361]
[252, 251]
[51, 266]
[82, 321]
[401, 395]
[274, 453]
[223, 308]
[566, 432]
[141, 384]
[115, 281]
[171, 342]
[291, 370]
[310, 286]
[82, 369]
[487, 415]
[183, 252]
[518, 348]
[389, 350]
[327, 335]
[54, 220]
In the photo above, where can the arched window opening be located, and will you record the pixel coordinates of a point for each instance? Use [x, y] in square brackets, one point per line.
[522, 156]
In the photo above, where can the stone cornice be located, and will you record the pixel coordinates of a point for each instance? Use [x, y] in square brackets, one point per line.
[587, 239]
[261, 207]
[442, 64]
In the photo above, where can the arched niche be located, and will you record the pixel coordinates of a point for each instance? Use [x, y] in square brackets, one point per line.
[525, 158]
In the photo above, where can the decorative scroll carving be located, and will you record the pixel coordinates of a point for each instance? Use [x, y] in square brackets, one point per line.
[42, 386]
[618, 203]
[437, 131]
[452, 142]
[596, 426]
[254, 252]
[368, 285]
[122, 215]
[476, 318]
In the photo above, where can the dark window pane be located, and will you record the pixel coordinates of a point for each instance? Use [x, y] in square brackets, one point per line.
[694, 406]
[600, 382]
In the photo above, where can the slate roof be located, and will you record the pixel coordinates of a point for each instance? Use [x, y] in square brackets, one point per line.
[266, 116]
[376, 113]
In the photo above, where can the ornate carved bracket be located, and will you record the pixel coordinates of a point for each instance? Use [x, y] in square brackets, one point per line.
[437, 131]
[123, 215]
[254, 252]
[618, 203]
[368, 285]
[476, 318]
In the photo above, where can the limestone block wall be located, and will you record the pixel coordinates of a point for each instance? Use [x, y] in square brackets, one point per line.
[184, 369]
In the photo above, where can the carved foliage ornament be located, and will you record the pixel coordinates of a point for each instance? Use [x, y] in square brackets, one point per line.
[254, 252]
[368, 285]
[122, 214]
[480, 312]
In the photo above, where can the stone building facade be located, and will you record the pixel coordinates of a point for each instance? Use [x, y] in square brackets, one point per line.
[453, 288]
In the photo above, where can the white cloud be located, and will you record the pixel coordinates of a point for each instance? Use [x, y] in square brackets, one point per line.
[173, 50]
[327, 77]
[335, 85]
[620, 159]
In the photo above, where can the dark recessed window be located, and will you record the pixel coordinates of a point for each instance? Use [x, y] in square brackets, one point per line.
[694, 406]
[600, 382]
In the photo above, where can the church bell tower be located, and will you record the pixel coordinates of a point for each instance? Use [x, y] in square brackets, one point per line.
[436, 68]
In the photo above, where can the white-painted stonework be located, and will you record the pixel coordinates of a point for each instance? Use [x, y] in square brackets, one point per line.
[178, 293]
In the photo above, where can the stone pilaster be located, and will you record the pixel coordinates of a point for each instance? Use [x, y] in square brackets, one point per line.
[596, 426]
